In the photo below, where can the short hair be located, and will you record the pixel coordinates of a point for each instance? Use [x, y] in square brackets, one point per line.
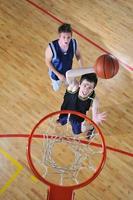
[92, 77]
[65, 28]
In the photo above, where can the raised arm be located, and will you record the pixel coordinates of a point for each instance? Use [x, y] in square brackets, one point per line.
[97, 117]
[73, 73]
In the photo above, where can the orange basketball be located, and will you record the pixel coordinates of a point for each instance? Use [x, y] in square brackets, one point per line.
[106, 66]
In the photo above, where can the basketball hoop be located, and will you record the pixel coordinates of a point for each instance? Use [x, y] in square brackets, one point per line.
[68, 161]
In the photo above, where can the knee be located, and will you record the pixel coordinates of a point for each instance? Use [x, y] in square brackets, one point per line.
[56, 88]
[56, 85]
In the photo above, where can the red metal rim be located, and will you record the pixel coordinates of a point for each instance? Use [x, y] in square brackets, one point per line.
[73, 187]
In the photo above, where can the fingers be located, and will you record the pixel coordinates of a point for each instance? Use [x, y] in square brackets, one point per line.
[103, 114]
[103, 118]
[100, 117]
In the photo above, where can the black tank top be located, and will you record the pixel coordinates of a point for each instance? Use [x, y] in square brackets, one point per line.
[72, 101]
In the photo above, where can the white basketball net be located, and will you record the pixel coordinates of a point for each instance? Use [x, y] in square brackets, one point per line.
[85, 156]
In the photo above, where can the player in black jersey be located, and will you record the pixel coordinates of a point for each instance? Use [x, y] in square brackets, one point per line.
[80, 96]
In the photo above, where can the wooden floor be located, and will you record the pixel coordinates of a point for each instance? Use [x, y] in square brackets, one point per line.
[26, 94]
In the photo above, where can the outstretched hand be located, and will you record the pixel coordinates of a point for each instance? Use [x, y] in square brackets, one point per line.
[99, 117]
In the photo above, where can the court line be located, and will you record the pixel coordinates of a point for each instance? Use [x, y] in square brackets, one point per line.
[14, 175]
[128, 67]
[40, 136]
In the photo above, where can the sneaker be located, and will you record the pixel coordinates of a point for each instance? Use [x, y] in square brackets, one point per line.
[90, 134]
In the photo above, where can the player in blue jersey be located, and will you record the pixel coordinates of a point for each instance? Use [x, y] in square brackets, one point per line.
[80, 96]
[59, 55]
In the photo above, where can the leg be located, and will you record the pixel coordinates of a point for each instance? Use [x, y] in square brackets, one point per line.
[79, 127]
[85, 126]
[87, 129]
[55, 83]
[62, 119]
[76, 126]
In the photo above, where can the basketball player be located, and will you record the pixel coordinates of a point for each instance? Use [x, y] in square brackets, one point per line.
[59, 55]
[80, 96]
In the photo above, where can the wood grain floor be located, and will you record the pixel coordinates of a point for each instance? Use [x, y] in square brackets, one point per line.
[26, 94]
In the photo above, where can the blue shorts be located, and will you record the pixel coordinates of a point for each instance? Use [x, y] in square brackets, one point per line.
[76, 126]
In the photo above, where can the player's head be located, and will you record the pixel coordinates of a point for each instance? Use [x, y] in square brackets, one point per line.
[87, 84]
[65, 28]
[65, 33]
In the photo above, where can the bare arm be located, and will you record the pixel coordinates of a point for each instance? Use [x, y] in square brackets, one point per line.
[79, 57]
[95, 107]
[48, 58]
[73, 73]
[96, 116]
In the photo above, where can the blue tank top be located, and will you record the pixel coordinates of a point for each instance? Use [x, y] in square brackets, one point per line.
[62, 61]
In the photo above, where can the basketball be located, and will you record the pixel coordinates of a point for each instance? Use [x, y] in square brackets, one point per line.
[106, 66]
